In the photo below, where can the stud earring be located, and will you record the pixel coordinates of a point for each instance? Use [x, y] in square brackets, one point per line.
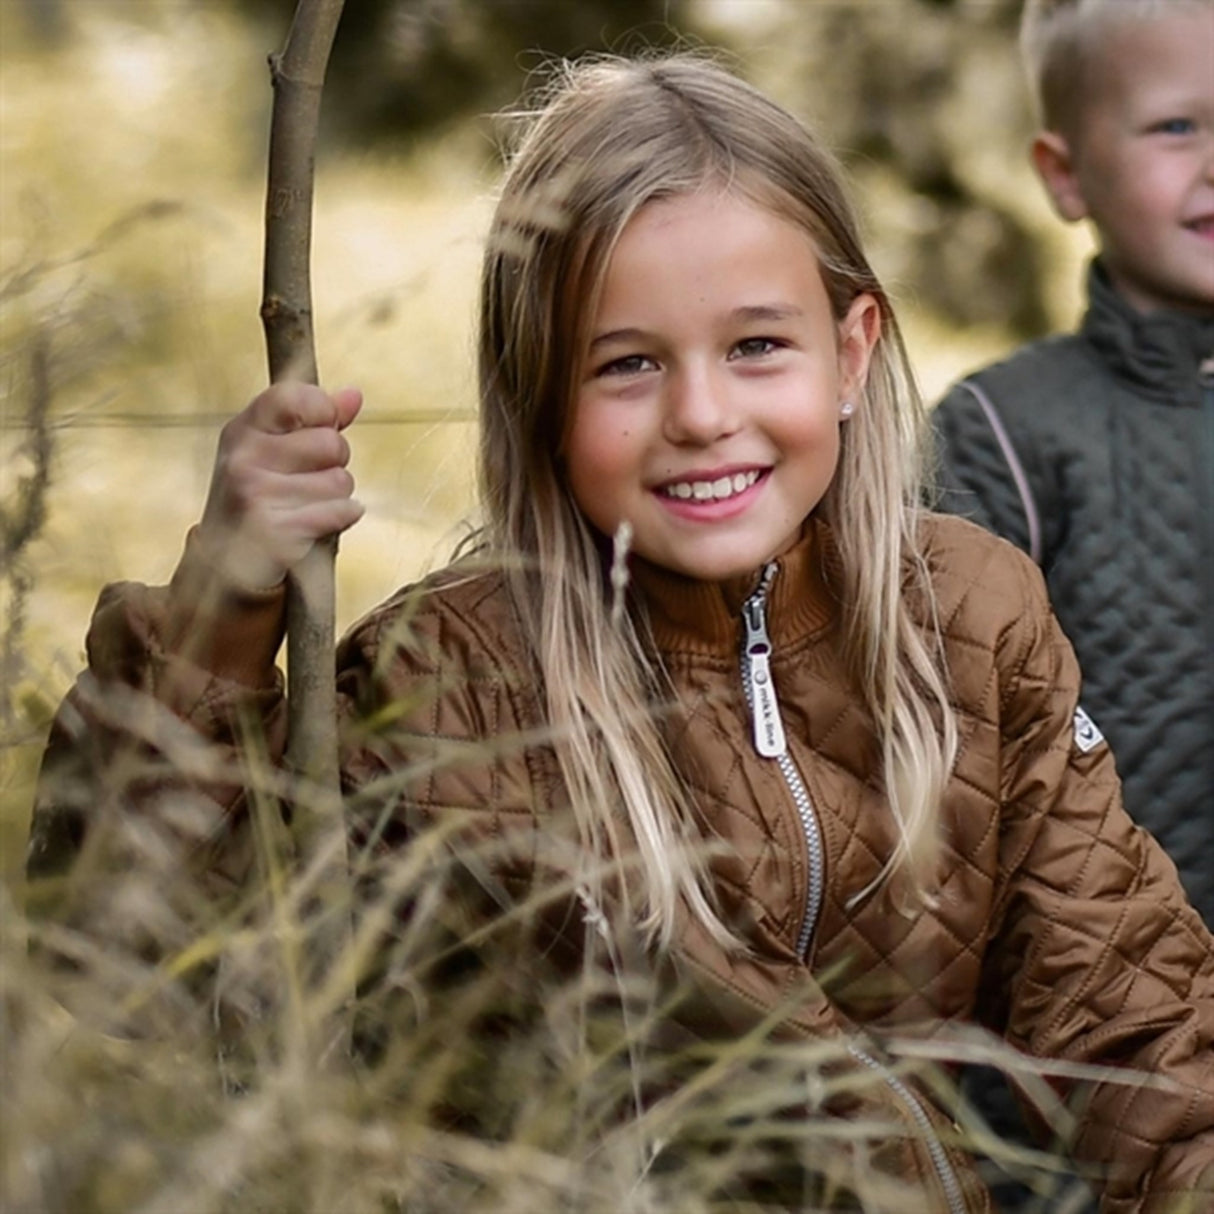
[846, 409]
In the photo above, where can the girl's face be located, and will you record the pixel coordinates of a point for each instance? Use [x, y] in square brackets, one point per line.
[708, 410]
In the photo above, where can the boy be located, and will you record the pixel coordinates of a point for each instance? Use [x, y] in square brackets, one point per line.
[1095, 451]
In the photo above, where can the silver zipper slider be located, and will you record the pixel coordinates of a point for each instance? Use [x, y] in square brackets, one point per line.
[761, 689]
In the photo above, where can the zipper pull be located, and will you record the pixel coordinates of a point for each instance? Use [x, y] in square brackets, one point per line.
[760, 688]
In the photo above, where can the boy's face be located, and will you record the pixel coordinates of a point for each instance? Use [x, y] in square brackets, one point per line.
[1140, 160]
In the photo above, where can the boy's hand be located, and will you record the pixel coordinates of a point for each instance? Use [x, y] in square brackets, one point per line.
[280, 482]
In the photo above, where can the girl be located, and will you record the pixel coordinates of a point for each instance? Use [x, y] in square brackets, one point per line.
[709, 669]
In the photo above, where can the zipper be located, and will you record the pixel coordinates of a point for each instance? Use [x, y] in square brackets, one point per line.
[771, 742]
[935, 1148]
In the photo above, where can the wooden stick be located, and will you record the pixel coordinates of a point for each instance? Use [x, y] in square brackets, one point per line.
[297, 75]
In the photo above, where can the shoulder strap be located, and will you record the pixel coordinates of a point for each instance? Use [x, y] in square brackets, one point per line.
[1031, 515]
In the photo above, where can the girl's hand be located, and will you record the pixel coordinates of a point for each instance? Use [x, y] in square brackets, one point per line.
[280, 482]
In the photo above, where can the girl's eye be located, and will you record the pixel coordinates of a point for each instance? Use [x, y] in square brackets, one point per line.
[630, 364]
[1175, 126]
[756, 347]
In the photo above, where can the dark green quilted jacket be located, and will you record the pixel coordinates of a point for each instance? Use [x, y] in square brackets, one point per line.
[1094, 452]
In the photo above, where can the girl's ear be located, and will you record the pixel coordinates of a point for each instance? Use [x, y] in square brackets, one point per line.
[1055, 165]
[859, 332]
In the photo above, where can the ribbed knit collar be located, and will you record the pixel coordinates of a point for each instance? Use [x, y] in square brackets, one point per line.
[1160, 352]
[704, 618]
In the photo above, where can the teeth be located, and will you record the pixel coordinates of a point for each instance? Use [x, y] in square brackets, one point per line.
[718, 490]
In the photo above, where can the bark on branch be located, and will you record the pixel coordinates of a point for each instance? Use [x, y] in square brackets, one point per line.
[297, 75]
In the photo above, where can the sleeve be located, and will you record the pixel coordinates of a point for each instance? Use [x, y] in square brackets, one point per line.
[138, 827]
[983, 475]
[1104, 960]
[443, 732]
[452, 805]
[162, 777]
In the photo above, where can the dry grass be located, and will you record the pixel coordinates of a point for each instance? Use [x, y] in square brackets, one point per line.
[171, 1050]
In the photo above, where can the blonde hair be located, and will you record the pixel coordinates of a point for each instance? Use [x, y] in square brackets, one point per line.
[1059, 40]
[612, 136]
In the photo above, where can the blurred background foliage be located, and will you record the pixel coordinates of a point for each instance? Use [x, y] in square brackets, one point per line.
[132, 140]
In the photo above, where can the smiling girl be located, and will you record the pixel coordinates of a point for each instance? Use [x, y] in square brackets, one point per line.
[710, 669]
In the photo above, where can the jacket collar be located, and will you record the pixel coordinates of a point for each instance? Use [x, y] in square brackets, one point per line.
[705, 618]
[1160, 352]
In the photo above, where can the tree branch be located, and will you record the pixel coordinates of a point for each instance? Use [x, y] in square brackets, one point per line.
[297, 75]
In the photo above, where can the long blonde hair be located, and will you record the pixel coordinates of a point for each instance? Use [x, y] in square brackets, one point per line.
[611, 136]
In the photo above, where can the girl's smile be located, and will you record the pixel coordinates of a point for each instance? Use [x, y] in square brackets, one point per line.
[708, 414]
[711, 488]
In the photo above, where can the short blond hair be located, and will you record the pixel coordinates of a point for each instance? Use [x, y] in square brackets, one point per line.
[1059, 40]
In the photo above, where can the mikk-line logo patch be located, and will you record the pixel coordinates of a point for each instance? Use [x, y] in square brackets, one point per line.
[1087, 736]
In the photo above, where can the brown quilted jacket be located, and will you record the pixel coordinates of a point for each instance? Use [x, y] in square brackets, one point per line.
[1058, 923]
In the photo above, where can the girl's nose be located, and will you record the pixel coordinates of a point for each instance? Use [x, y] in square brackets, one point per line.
[699, 408]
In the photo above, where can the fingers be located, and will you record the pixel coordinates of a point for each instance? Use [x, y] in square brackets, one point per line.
[279, 528]
[281, 481]
[286, 407]
[349, 401]
[308, 450]
[306, 520]
[307, 415]
[252, 488]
